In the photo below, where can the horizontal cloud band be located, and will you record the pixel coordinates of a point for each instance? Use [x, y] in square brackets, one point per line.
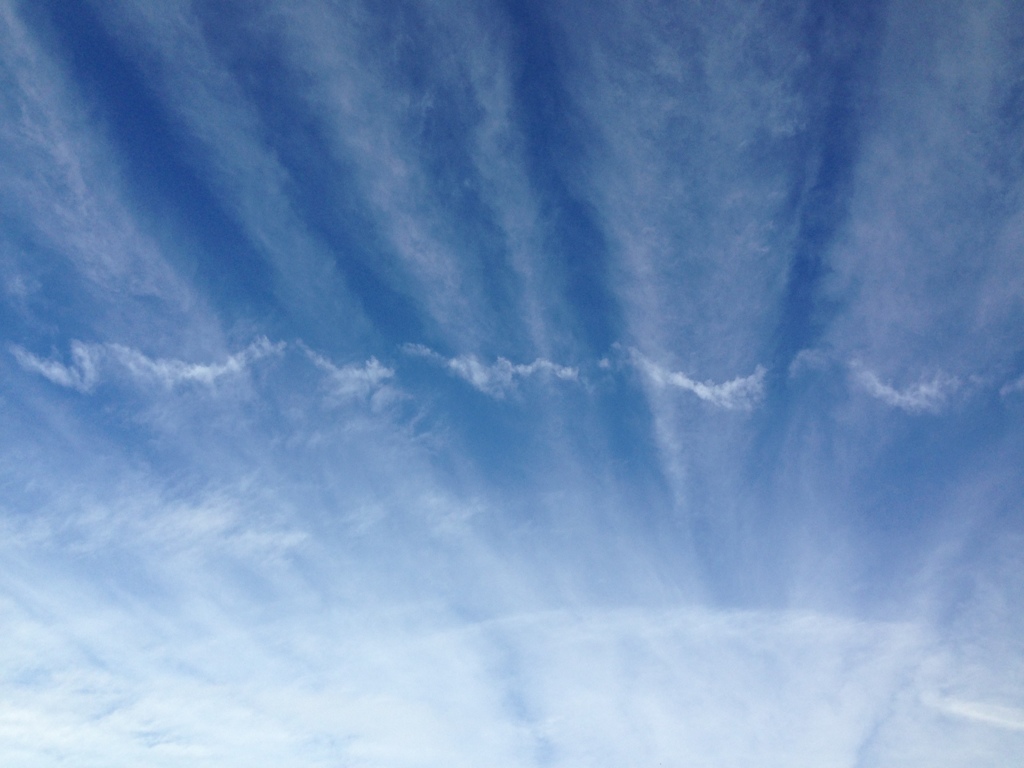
[496, 379]
[741, 393]
[89, 360]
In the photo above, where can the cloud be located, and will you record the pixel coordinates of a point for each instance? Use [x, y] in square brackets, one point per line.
[498, 378]
[127, 683]
[688, 211]
[354, 380]
[927, 396]
[280, 579]
[1009, 718]
[87, 361]
[807, 360]
[60, 179]
[741, 393]
[1014, 387]
[928, 265]
[81, 375]
[228, 135]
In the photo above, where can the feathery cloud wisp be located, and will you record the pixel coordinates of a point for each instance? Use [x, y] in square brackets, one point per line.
[352, 380]
[926, 396]
[498, 378]
[81, 374]
[88, 360]
[1013, 387]
[1010, 718]
[741, 393]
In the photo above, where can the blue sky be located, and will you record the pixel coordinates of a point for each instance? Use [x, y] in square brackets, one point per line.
[511, 384]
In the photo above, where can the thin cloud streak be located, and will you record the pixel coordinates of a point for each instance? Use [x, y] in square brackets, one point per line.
[927, 269]
[927, 396]
[1013, 387]
[354, 380]
[89, 360]
[687, 209]
[1009, 718]
[243, 171]
[353, 89]
[497, 379]
[740, 394]
[60, 178]
[81, 375]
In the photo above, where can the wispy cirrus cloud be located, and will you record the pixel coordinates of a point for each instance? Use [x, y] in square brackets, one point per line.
[928, 265]
[242, 169]
[997, 715]
[354, 380]
[307, 574]
[388, 685]
[689, 209]
[926, 396]
[498, 378]
[62, 184]
[81, 374]
[742, 393]
[89, 361]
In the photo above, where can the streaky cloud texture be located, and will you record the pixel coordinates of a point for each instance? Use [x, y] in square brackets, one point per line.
[89, 360]
[543, 384]
[498, 378]
[925, 396]
[741, 393]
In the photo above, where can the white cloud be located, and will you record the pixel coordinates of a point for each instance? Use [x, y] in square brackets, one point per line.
[368, 114]
[353, 380]
[81, 375]
[88, 360]
[171, 372]
[378, 684]
[498, 378]
[926, 396]
[741, 393]
[1010, 718]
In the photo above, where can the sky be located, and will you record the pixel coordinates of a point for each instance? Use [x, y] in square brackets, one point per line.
[606, 383]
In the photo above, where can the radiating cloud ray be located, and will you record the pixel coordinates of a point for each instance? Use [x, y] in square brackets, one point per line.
[1012, 387]
[62, 191]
